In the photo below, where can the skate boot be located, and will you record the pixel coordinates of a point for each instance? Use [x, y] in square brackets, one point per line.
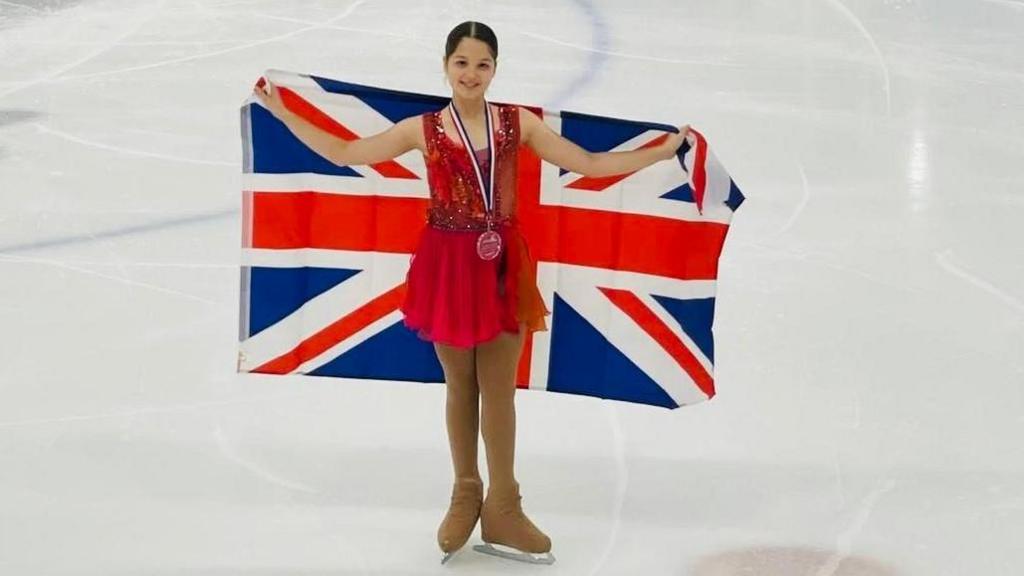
[463, 513]
[508, 533]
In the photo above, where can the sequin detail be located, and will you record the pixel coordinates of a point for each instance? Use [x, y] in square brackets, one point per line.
[455, 201]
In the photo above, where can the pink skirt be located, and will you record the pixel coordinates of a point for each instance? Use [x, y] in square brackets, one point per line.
[454, 297]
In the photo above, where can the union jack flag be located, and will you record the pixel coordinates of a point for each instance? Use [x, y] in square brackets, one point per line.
[627, 264]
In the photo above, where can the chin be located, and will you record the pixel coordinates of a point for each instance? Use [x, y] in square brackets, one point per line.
[470, 92]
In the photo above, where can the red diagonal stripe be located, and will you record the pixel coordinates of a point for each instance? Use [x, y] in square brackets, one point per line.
[600, 183]
[663, 335]
[284, 220]
[700, 175]
[320, 119]
[341, 329]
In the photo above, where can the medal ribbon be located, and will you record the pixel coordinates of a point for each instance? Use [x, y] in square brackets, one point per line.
[487, 192]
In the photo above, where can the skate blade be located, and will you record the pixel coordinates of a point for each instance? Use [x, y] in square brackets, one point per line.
[447, 557]
[513, 554]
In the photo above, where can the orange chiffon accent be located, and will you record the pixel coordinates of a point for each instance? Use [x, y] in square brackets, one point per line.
[527, 301]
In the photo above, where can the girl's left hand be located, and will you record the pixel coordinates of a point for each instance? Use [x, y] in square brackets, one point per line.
[673, 142]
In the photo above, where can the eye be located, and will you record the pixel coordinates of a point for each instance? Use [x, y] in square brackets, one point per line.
[485, 66]
[460, 63]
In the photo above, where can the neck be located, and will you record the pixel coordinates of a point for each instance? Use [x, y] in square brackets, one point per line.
[469, 108]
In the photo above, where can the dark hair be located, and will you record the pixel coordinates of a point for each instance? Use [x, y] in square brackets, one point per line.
[475, 30]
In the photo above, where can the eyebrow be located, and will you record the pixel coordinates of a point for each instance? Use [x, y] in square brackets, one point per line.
[464, 57]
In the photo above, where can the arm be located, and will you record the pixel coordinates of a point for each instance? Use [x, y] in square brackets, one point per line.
[562, 152]
[391, 143]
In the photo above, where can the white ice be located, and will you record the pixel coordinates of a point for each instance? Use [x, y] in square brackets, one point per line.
[870, 323]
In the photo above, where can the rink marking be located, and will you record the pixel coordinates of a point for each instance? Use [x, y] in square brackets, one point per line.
[628, 55]
[806, 189]
[231, 454]
[844, 541]
[1017, 5]
[149, 410]
[874, 47]
[369, 31]
[130, 151]
[24, 6]
[126, 231]
[57, 74]
[815, 260]
[601, 39]
[55, 77]
[942, 259]
[128, 281]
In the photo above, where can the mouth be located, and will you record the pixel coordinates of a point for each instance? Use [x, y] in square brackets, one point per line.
[469, 86]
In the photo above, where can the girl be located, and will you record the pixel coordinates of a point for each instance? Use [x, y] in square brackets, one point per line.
[470, 286]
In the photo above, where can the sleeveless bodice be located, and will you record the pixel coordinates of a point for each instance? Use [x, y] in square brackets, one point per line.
[455, 199]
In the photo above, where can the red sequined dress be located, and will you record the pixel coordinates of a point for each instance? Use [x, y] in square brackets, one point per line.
[453, 295]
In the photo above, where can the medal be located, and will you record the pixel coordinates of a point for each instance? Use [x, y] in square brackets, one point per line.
[488, 244]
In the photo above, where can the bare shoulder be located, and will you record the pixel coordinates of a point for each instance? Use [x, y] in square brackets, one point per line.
[528, 123]
[527, 117]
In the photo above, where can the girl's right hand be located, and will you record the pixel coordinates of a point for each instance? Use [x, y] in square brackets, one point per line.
[270, 96]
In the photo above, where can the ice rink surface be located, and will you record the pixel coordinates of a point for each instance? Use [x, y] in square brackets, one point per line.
[870, 325]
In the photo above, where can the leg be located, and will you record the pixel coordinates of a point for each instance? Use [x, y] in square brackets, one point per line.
[502, 519]
[462, 416]
[496, 364]
[462, 408]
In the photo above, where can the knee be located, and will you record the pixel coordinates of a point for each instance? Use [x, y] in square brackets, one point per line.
[497, 390]
[463, 387]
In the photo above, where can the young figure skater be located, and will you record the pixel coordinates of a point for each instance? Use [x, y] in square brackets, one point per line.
[470, 287]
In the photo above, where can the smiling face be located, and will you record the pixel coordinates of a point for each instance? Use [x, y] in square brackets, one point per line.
[470, 68]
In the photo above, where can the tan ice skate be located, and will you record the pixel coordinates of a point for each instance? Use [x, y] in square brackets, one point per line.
[463, 513]
[508, 533]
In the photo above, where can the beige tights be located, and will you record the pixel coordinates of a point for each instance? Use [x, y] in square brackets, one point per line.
[481, 397]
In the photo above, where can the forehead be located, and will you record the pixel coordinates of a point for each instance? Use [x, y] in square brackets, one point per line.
[472, 49]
